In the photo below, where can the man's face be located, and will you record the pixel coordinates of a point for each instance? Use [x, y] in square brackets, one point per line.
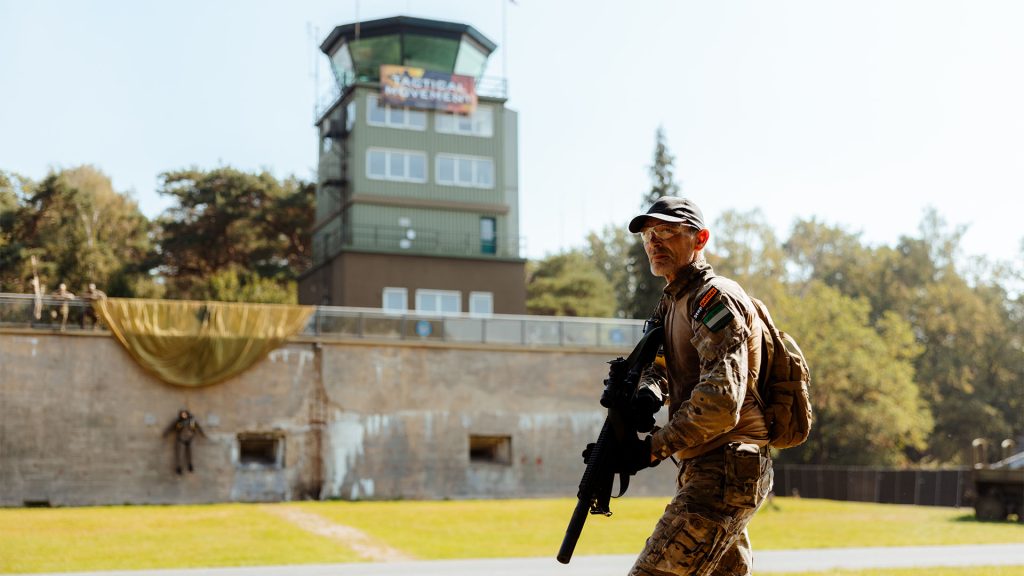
[670, 247]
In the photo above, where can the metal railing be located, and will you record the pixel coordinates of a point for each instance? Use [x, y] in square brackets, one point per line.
[530, 331]
[341, 323]
[492, 87]
[427, 241]
[20, 311]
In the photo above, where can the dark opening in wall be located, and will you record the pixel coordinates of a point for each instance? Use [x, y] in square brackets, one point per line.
[257, 450]
[493, 449]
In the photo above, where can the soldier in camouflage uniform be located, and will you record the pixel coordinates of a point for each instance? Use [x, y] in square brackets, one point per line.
[715, 430]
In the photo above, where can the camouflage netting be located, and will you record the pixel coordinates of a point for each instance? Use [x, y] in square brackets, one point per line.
[188, 343]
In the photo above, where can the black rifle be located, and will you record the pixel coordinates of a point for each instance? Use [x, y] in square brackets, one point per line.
[595, 491]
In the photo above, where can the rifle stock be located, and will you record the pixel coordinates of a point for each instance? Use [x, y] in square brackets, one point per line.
[595, 489]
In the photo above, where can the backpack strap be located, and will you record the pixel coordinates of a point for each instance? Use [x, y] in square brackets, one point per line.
[767, 353]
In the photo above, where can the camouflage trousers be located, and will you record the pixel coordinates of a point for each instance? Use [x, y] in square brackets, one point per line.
[704, 529]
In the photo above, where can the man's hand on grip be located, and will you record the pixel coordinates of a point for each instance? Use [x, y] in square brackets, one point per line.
[644, 404]
[636, 455]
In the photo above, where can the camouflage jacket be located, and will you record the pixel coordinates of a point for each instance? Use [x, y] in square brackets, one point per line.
[712, 350]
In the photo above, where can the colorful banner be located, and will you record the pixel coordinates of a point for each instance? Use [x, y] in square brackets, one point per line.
[419, 88]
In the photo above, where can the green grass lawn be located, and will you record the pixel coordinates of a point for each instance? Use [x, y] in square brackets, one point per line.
[141, 537]
[487, 529]
[829, 524]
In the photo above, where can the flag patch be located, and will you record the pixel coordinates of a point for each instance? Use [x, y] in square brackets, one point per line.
[702, 304]
[718, 317]
[708, 296]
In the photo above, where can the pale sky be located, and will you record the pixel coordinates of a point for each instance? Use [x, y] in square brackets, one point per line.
[860, 113]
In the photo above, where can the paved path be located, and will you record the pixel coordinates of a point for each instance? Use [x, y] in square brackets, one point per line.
[766, 561]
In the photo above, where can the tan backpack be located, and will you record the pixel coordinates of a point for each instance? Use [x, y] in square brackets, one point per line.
[783, 384]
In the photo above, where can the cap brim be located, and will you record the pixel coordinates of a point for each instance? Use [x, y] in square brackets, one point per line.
[637, 223]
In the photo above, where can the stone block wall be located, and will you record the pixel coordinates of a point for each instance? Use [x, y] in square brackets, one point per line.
[402, 419]
[82, 424]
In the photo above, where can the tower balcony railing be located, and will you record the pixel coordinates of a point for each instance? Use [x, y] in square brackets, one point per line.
[492, 87]
[340, 323]
[411, 240]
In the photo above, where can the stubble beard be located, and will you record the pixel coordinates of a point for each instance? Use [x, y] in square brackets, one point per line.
[669, 269]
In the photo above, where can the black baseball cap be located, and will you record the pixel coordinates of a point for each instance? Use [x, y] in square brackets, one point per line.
[671, 209]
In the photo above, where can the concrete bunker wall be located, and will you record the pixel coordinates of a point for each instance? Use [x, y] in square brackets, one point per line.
[82, 424]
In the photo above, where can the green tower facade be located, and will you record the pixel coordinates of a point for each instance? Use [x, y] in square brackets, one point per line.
[417, 196]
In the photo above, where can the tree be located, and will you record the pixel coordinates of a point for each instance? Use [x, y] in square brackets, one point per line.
[969, 370]
[80, 230]
[963, 334]
[868, 409]
[646, 288]
[10, 186]
[568, 285]
[10, 253]
[235, 284]
[610, 253]
[826, 253]
[746, 250]
[228, 223]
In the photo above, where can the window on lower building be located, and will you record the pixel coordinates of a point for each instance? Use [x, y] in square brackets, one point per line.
[481, 303]
[492, 449]
[395, 300]
[397, 165]
[260, 450]
[439, 301]
[466, 171]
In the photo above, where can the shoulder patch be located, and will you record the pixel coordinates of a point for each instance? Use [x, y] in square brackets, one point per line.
[712, 311]
[717, 317]
[703, 302]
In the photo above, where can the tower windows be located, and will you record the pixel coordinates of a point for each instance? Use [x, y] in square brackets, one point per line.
[378, 114]
[479, 123]
[466, 171]
[397, 165]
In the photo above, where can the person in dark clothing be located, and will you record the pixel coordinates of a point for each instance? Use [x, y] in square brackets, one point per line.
[185, 429]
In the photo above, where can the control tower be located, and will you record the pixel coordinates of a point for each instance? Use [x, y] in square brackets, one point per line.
[417, 192]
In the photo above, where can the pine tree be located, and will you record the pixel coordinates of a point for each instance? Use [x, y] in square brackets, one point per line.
[647, 287]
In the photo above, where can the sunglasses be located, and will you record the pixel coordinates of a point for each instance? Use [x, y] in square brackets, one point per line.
[662, 232]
